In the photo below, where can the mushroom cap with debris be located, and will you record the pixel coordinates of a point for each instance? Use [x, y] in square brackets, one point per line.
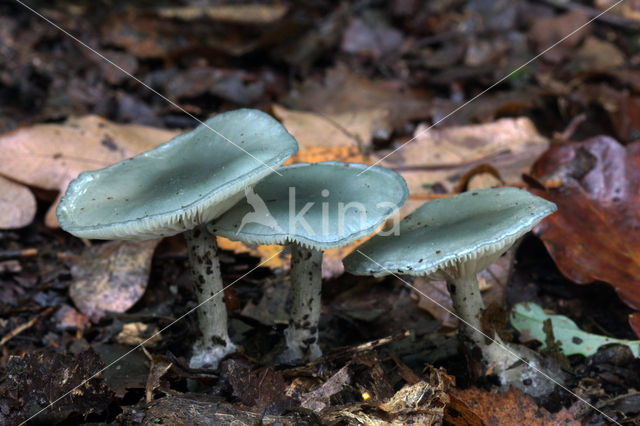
[182, 183]
[321, 206]
[452, 237]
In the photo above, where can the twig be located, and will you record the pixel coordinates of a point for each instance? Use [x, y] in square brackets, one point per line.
[22, 327]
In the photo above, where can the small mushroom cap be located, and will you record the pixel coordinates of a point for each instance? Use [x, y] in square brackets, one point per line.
[321, 206]
[182, 183]
[452, 237]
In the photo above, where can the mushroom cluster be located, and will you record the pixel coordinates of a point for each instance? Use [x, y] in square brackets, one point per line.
[177, 188]
[195, 183]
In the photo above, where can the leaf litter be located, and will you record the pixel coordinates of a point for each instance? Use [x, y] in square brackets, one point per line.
[353, 83]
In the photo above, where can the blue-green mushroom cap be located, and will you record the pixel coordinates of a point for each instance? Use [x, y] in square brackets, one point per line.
[323, 205]
[183, 183]
[452, 237]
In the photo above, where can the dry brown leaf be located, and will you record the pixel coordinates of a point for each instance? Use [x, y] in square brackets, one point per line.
[344, 91]
[599, 54]
[49, 156]
[111, 276]
[160, 365]
[421, 403]
[318, 399]
[351, 128]
[135, 333]
[546, 31]
[17, 205]
[67, 318]
[438, 158]
[248, 14]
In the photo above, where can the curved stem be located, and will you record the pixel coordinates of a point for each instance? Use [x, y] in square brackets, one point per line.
[494, 356]
[306, 286]
[212, 315]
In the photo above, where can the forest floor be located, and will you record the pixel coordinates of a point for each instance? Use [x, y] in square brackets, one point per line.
[480, 99]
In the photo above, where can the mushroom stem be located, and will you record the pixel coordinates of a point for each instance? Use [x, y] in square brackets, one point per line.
[306, 285]
[212, 315]
[468, 304]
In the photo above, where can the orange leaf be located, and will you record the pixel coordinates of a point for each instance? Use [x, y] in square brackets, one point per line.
[513, 407]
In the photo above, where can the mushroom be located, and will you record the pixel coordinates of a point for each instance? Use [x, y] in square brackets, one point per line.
[177, 188]
[453, 239]
[337, 205]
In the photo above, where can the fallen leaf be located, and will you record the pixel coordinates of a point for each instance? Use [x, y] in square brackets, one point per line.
[546, 31]
[599, 54]
[49, 156]
[436, 159]
[136, 333]
[67, 318]
[595, 232]
[231, 29]
[160, 365]
[316, 154]
[17, 204]
[318, 399]
[371, 37]
[111, 276]
[420, 403]
[262, 388]
[511, 407]
[529, 318]
[343, 91]
[249, 14]
[351, 128]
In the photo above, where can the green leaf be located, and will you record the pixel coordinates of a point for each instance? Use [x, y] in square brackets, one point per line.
[529, 318]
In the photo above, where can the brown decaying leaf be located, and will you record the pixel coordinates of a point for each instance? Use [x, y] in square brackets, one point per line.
[67, 318]
[49, 156]
[419, 403]
[262, 388]
[160, 365]
[350, 128]
[318, 399]
[438, 158]
[546, 31]
[111, 276]
[136, 333]
[343, 92]
[595, 235]
[17, 205]
[509, 408]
